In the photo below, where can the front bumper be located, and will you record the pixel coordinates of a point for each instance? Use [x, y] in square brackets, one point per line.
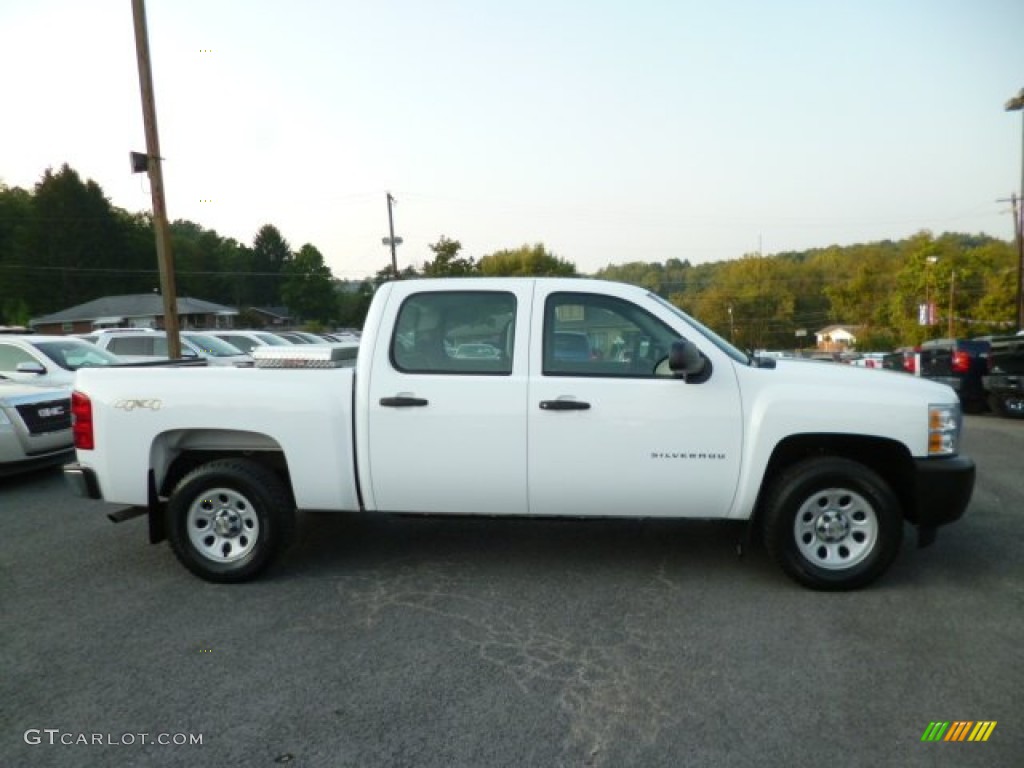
[942, 489]
[1004, 384]
[82, 481]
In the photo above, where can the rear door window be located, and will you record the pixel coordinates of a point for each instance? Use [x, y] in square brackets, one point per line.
[453, 332]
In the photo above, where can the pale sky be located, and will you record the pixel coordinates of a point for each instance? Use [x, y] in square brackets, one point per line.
[611, 131]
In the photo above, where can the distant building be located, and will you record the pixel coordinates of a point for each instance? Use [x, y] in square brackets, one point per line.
[837, 338]
[139, 310]
[272, 317]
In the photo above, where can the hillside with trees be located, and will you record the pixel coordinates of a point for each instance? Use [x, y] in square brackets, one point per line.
[763, 301]
[63, 243]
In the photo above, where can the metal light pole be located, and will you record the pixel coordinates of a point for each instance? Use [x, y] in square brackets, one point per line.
[1016, 104]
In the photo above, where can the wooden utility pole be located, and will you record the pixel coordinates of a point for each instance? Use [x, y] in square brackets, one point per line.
[392, 241]
[1016, 104]
[164, 257]
[952, 295]
[1018, 235]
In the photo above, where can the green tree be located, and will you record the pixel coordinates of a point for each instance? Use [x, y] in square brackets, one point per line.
[354, 304]
[447, 262]
[986, 289]
[139, 272]
[308, 288]
[201, 262]
[15, 215]
[647, 275]
[387, 272]
[72, 238]
[751, 302]
[270, 254]
[524, 261]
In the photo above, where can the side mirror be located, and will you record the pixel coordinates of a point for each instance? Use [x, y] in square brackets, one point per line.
[686, 362]
[30, 368]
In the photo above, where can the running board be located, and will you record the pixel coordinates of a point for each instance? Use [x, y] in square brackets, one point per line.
[128, 513]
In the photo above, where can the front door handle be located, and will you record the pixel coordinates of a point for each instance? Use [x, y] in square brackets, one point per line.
[402, 401]
[564, 405]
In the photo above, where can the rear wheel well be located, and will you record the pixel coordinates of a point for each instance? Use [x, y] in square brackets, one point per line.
[889, 459]
[186, 461]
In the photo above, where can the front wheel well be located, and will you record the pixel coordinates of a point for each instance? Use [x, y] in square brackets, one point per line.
[888, 458]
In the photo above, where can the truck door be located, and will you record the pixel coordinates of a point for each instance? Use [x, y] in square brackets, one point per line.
[447, 400]
[609, 434]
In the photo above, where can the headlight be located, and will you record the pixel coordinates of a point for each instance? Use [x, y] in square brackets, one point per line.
[943, 430]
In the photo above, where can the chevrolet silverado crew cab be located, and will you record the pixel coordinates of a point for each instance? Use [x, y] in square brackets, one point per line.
[662, 418]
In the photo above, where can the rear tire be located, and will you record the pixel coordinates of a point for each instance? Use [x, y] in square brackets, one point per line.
[229, 520]
[832, 524]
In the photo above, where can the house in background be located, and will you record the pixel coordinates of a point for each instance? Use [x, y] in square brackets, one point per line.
[836, 338]
[138, 310]
[272, 317]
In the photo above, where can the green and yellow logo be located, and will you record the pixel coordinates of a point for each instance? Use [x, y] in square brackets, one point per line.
[959, 730]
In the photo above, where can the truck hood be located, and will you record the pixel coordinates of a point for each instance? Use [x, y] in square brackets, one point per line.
[808, 397]
[854, 384]
[16, 393]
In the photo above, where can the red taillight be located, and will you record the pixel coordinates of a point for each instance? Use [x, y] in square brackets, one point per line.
[81, 421]
[961, 362]
[908, 363]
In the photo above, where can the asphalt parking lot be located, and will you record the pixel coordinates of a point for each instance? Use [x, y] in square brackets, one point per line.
[446, 642]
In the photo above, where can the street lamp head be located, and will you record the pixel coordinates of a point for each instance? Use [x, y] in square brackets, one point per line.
[1016, 103]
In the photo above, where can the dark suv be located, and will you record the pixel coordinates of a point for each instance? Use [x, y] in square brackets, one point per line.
[1005, 379]
[960, 363]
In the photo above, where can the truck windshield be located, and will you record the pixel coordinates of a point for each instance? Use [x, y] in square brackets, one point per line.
[714, 338]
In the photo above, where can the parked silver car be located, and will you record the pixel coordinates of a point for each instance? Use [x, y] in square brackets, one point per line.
[35, 426]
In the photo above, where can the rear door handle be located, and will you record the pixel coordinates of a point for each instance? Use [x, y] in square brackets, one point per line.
[402, 401]
[564, 405]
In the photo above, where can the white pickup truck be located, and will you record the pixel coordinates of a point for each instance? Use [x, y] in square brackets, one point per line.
[475, 396]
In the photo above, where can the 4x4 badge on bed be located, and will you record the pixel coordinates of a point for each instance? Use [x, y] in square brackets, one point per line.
[131, 405]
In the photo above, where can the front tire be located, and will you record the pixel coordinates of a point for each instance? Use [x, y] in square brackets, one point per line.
[228, 520]
[832, 524]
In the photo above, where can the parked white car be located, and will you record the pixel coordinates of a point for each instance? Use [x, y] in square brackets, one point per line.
[143, 345]
[247, 341]
[35, 426]
[49, 360]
